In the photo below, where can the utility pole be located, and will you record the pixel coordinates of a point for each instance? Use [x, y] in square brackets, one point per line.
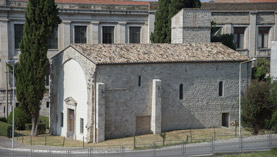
[7, 89]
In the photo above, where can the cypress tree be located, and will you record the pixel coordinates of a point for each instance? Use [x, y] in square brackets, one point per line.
[160, 34]
[166, 10]
[41, 18]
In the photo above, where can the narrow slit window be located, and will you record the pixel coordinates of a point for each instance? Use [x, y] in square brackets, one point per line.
[81, 125]
[139, 81]
[181, 96]
[220, 89]
[4, 109]
[61, 119]
[47, 104]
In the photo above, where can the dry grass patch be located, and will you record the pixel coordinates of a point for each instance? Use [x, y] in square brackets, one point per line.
[172, 138]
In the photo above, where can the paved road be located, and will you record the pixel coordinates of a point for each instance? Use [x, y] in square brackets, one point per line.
[254, 143]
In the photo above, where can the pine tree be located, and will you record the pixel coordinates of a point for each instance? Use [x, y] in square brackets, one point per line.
[41, 20]
[166, 10]
[160, 34]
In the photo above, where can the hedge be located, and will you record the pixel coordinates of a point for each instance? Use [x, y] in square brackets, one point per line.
[3, 119]
[20, 119]
[44, 120]
[5, 129]
[41, 127]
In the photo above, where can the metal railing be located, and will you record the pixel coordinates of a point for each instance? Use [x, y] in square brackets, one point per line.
[238, 145]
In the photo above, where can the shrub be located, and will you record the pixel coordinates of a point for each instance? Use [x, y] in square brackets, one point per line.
[44, 120]
[274, 121]
[5, 129]
[3, 119]
[41, 127]
[225, 39]
[20, 119]
[257, 106]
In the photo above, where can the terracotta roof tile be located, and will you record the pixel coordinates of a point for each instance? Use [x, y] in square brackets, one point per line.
[111, 2]
[151, 53]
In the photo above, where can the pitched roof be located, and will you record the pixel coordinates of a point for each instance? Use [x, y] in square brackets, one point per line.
[239, 6]
[156, 53]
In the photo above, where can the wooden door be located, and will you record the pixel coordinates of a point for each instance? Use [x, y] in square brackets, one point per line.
[70, 123]
[225, 119]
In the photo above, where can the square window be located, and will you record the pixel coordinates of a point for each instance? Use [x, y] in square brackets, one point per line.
[53, 42]
[108, 35]
[80, 34]
[239, 36]
[18, 33]
[134, 35]
[263, 37]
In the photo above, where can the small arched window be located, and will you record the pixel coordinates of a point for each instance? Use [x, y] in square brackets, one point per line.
[220, 89]
[181, 96]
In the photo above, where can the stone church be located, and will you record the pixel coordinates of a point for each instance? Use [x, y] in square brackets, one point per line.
[104, 91]
[110, 91]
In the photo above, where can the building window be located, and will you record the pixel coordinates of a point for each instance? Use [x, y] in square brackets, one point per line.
[134, 35]
[47, 80]
[53, 42]
[61, 119]
[47, 104]
[181, 96]
[239, 36]
[81, 125]
[18, 33]
[108, 35]
[16, 104]
[4, 109]
[216, 31]
[80, 34]
[220, 89]
[139, 81]
[263, 37]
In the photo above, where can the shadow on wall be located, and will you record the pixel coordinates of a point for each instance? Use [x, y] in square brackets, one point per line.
[60, 100]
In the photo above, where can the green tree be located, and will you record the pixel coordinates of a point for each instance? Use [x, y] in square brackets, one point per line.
[161, 34]
[258, 105]
[261, 69]
[41, 20]
[166, 10]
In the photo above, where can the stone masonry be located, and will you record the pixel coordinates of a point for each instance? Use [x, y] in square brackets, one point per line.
[191, 25]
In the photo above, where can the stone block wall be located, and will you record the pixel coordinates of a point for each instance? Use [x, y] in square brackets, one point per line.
[191, 25]
[200, 107]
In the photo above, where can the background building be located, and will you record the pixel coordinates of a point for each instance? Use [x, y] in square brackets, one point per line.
[254, 25]
[88, 22]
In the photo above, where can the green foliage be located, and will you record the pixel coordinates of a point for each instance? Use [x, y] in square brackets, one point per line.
[5, 129]
[41, 127]
[258, 105]
[260, 69]
[225, 39]
[166, 10]
[20, 119]
[44, 120]
[161, 34]
[3, 119]
[41, 20]
[274, 122]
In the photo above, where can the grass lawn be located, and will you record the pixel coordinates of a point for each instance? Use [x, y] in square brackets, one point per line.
[143, 141]
[271, 153]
